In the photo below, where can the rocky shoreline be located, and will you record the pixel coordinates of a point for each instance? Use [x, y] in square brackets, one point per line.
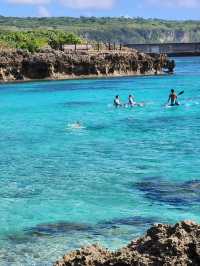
[162, 245]
[19, 65]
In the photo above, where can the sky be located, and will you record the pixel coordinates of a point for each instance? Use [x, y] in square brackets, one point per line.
[165, 9]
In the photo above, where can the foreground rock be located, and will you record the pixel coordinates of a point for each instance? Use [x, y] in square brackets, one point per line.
[162, 245]
[52, 64]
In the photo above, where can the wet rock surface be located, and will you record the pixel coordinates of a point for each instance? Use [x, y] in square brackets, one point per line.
[53, 64]
[162, 245]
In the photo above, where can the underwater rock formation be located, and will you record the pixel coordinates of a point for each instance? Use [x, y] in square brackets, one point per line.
[162, 245]
[176, 194]
[51, 64]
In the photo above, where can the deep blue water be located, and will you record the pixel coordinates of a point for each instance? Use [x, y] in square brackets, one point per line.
[62, 187]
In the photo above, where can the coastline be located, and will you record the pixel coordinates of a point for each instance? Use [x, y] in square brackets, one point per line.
[22, 66]
[162, 244]
[84, 77]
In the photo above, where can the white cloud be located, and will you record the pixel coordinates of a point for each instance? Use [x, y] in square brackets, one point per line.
[175, 3]
[75, 4]
[88, 4]
[28, 2]
[43, 12]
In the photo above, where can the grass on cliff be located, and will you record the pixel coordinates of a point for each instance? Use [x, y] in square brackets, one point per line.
[105, 29]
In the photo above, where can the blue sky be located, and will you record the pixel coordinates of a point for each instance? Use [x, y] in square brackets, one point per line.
[166, 9]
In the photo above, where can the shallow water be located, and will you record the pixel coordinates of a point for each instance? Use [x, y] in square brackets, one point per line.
[62, 187]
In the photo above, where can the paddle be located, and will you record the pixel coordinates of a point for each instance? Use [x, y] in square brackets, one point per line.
[180, 93]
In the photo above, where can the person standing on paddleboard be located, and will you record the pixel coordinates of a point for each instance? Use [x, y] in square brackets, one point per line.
[173, 98]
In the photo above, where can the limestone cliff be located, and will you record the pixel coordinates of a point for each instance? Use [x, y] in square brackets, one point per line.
[52, 64]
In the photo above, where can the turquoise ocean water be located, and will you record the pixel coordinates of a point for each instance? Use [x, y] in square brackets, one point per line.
[61, 187]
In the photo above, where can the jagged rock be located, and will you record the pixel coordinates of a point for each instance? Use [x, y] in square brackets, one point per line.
[164, 245]
[52, 64]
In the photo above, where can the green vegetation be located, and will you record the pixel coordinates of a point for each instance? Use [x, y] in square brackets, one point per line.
[21, 33]
[33, 40]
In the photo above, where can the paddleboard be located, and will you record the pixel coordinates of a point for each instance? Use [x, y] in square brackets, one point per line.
[171, 106]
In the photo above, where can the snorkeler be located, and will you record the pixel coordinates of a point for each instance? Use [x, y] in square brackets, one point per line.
[117, 102]
[76, 125]
[173, 98]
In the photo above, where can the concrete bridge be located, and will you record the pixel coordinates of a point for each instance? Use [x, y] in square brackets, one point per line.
[171, 49]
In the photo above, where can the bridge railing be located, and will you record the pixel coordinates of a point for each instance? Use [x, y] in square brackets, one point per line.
[167, 48]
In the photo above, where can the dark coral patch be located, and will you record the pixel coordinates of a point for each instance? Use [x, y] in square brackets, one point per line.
[180, 194]
[57, 228]
[136, 221]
